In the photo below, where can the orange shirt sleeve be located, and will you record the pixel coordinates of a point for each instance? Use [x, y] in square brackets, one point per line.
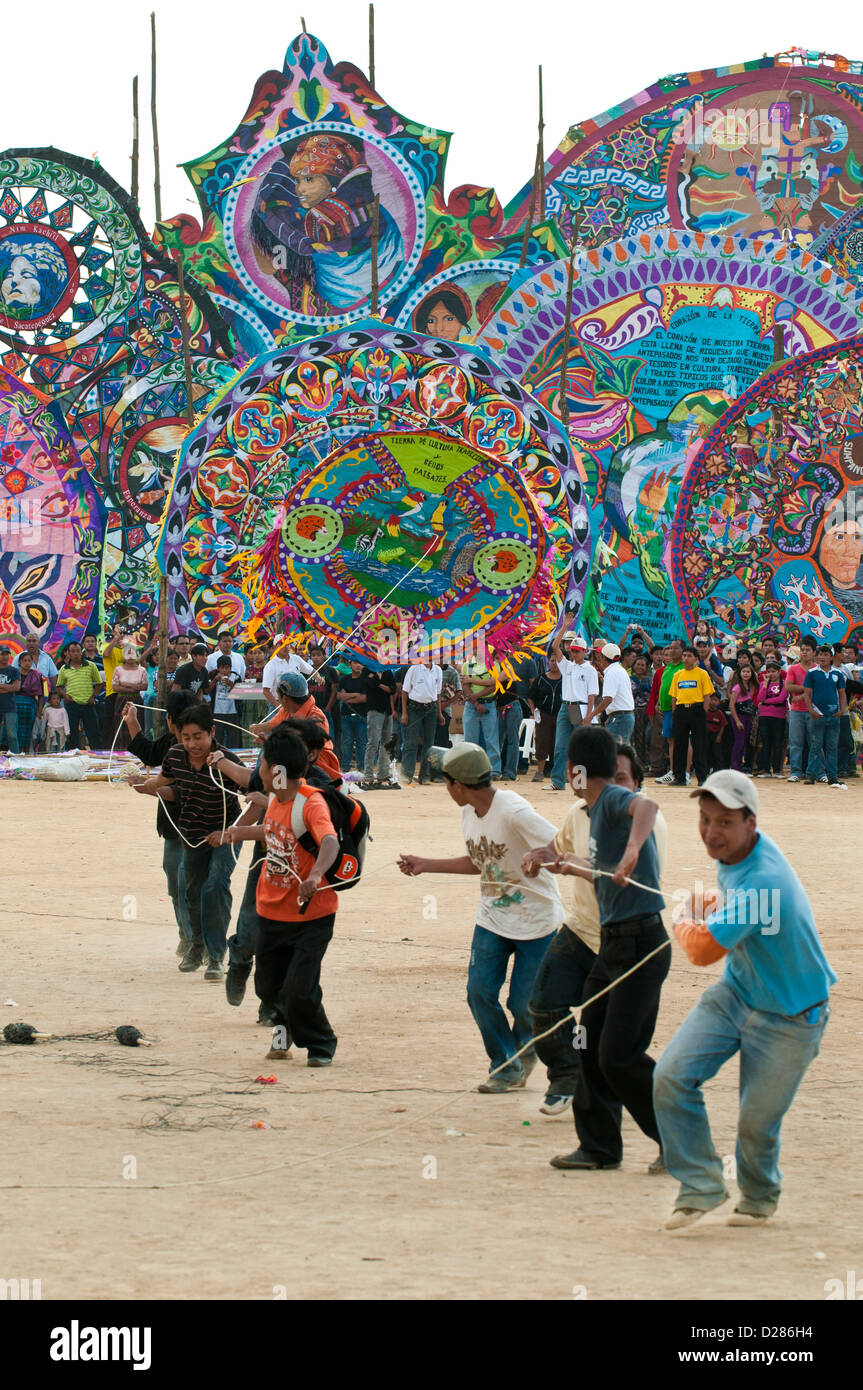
[697, 942]
[317, 819]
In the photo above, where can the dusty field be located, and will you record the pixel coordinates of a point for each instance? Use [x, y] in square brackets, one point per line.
[496, 1222]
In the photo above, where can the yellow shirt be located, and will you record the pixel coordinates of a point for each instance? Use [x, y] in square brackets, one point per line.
[690, 687]
[110, 662]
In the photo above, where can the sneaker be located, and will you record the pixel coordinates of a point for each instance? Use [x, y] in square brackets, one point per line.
[266, 1016]
[822, 780]
[555, 1104]
[193, 958]
[762, 774]
[658, 1165]
[214, 970]
[556, 789]
[794, 777]
[686, 783]
[778, 776]
[538, 777]
[666, 781]
[672, 783]
[319, 1062]
[687, 1216]
[579, 1159]
[278, 1053]
[809, 781]
[497, 1085]
[839, 785]
[746, 1218]
[235, 984]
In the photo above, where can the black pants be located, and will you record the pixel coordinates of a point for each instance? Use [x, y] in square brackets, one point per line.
[771, 731]
[560, 985]
[618, 1028]
[288, 979]
[83, 720]
[690, 721]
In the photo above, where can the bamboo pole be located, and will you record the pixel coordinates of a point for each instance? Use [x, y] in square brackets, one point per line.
[537, 187]
[567, 327]
[135, 139]
[184, 330]
[371, 45]
[778, 343]
[157, 183]
[376, 220]
[162, 678]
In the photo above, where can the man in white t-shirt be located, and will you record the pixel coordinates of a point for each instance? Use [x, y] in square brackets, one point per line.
[617, 700]
[517, 915]
[579, 693]
[225, 648]
[284, 659]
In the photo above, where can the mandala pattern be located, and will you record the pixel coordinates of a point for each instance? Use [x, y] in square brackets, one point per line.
[425, 456]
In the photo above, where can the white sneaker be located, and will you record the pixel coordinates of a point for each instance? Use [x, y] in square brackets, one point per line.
[794, 777]
[664, 781]
[555, 1104]
[840, 786]
[687, 1216]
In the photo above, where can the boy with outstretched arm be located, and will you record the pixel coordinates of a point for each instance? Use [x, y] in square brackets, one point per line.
[296, 909]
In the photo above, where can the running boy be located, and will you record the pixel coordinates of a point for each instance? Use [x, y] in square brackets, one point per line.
[770, 1006]
[517, 914]
[205, 806]
[291, 941]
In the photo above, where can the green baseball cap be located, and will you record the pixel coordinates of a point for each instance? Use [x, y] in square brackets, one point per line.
[465, 762]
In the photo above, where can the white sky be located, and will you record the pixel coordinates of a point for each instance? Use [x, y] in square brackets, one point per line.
[468, 66]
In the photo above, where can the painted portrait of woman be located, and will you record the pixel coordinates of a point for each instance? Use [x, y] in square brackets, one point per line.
[444, 313]
[840, 554]
[33, 276]
[312, 226]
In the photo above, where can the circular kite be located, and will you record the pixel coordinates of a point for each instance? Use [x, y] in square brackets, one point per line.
[768, 536]
[373, 478]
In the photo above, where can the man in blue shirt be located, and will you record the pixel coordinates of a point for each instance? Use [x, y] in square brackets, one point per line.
[770, 1006]
[826, 701]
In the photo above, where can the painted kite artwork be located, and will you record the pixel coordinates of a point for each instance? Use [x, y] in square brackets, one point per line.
[631, 395]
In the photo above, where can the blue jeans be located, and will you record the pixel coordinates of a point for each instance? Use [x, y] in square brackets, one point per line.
[9, 728]
[509, 726]
[798, 738]
[208, 895]
[354, 734]
[486, 724]
[489, 957]
[172, 864]
[823, 747]
[774, 1054]
[621, 725]
[379, 730]
[562, 733]
[243, 945]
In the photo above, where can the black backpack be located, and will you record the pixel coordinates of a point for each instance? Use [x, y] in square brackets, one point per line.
[351, 823]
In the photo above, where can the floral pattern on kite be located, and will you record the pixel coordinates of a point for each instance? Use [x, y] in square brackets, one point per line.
[475, 513]
[285, 245]
[667, 330]
[768, 534]
[89, 312]
[770, 149]
[50, 521]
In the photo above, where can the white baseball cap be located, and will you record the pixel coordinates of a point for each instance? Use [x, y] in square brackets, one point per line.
[610, 651]
[733, 789]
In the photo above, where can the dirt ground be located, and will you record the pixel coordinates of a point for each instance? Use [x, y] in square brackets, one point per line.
[357, 1190]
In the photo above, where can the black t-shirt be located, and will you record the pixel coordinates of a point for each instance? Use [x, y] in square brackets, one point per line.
[204, 807]
[381, 687]
[546, 693]
[188, 678]
[320, 684]
[355, 685]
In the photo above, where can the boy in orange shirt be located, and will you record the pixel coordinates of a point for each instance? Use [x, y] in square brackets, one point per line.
[296, 915]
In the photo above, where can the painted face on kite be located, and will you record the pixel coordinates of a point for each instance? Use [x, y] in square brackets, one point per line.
[21, 284]
[312, 189]
[442, 323]
[841, 553]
